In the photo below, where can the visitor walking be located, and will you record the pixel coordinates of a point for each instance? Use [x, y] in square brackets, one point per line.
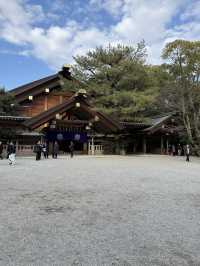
[71, 148]
[38, 151]
[1, 150]
[11, 150]
[179, 150]
[55, 150]
[44, 150]
[187, 152]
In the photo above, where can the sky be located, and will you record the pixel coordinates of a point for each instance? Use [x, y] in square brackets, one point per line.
[38, 36]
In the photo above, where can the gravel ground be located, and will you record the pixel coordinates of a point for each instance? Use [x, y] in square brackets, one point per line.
[141, 210]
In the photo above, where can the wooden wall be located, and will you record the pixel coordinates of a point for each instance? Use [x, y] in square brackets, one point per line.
[42, 103]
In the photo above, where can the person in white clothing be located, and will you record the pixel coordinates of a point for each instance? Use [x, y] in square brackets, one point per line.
[11, 153]
[187, 153]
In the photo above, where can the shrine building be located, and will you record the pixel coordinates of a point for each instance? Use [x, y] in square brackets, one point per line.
[49, 113]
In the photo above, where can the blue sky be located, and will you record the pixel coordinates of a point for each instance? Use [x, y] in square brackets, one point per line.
[38, 36]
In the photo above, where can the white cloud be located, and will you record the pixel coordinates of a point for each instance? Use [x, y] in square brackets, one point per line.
[192, 12]
[137, 20]
[111, 6]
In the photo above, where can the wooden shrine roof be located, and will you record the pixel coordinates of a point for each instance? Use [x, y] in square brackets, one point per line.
[156, 123]
[33, 84]
[84, 112]
[37, 87]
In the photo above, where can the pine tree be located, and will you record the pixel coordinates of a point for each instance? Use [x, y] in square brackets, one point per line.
[117, 80]
[8, 105]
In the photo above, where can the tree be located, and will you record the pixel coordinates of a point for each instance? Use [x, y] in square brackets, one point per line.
[7, 103]
[7, 107]
[117, 79]
[184, 68]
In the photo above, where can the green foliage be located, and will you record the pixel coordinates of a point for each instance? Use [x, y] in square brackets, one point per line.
[117, 79]
[68, 85]
[184, 70]
[7, 103]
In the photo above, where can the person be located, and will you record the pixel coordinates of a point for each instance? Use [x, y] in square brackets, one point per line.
[11, 150]
[44, 150]
[179, 150]
[187, 152]
[173, 150]
[1, 150]
[55, 150]
[38, 150]
[71, 148]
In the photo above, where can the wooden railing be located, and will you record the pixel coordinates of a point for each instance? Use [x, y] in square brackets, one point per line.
[95, 149]
[25, 150]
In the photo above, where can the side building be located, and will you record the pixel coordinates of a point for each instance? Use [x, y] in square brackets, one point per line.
[48, 113]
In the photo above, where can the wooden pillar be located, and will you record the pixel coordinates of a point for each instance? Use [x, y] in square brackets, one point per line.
[85, 148]
[17, 146]
[134, 148]
[144, 145]
[50, 147]
[93, 151]
[88, 147]
[167, 144]
[161, 145]
[46, 103]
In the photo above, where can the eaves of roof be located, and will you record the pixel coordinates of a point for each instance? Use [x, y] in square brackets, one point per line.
[13, 118]
[20, 90]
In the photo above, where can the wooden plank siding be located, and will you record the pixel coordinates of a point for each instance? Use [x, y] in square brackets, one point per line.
[42, 103]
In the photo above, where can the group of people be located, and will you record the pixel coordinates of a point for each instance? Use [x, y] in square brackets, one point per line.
[11, 152]
[180, 150]
[42, 148]
[39, 149]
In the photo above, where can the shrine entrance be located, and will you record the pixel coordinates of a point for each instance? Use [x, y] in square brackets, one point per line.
[63, 138]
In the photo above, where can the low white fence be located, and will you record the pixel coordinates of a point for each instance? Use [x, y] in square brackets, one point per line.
[95, 149]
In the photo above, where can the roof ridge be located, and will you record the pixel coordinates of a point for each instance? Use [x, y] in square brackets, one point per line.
[34, 83]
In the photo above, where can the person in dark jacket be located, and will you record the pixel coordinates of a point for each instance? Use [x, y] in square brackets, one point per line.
[38, 151]
[55, 150]
[1, 150]
[44, 150]
[71, 148]
[11, 150]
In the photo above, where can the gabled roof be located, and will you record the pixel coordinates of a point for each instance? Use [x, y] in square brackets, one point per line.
[157, 123]
[37, 87]
[29, 86]
[85, 112]
[134, 125]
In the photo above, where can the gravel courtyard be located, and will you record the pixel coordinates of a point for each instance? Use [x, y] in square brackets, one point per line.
[140, 210]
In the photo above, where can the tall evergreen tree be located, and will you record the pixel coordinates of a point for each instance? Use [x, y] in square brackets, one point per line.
[183, 58]
[117, 79]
